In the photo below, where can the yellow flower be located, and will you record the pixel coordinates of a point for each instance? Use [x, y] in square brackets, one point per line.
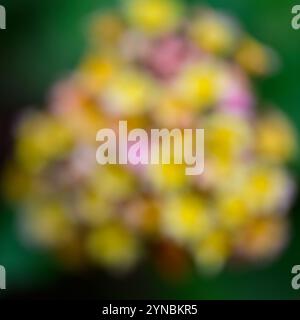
[265, 188]
[172, 111]
[262, 238]
[275, 138]
[199, 85]
[112, 182]
[232, 211]
[153, 16]
[228, 141]
[112, 246]
[165, 177]
[91, 208]
[227, 137]
[46, 223]
[185, 217]
[212, 252]
[128, 93]
[96, 70]
[41, 138]
[256, 58]
[214, 33]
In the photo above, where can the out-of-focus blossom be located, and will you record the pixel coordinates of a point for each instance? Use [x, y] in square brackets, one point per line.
[212, 252]
[119, 183]
[91, 208]
[214, 33]
[153, 16]
[186, 218]
[155, 68]
[237, 97]
[166, 57]
[83, 121]
[41, 138]
[275, 137]
[46, 223]
[256, 58]
[113, 246]
[232, 210]
[172, 111]
[261, 239]
[228, 146]
[264, 187]
[200, 84]
[127, 93]
[96, 70]
[228, 137]
[164, 177]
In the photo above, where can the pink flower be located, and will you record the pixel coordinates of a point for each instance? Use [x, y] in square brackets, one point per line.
[237, 98]
[167, 55]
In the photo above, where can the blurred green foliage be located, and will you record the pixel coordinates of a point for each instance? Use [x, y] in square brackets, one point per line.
[43, 41]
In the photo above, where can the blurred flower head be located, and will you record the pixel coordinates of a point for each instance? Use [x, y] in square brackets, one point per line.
[157, 64]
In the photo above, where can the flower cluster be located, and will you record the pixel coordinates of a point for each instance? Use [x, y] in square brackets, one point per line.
[157, 64]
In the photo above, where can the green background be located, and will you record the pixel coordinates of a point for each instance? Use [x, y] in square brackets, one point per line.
[43, 41]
